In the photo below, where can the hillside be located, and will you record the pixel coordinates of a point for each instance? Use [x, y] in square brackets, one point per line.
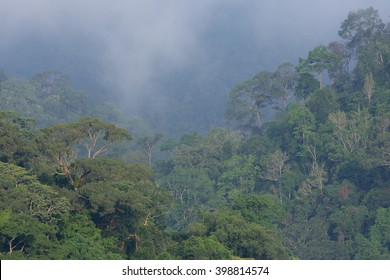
[302, 170]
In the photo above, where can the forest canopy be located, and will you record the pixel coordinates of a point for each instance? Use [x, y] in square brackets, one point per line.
[302, 170]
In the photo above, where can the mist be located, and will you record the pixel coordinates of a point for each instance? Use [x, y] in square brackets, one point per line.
[147, 55]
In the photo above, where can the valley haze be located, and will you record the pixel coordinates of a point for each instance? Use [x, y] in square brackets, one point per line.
[148, 55]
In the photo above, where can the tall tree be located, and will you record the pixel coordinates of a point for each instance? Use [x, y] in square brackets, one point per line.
[285, 80]
[15, 138]
[360, 27]
[374, 60]
[248, 100]
[147, 143]
[353, 131]
[30, 214]
[275, 167]
[321, 58]
[339, 72]
[369, 85]
[61, 144]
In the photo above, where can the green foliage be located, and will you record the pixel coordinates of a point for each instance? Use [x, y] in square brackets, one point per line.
[360, 27]
[192, 190]
[60, 144]
[374, 59]
[23, 236]
[126, 209]
[312, 183]
[348, 222]
[319, 59]
[339, 72]
[285, 78]
[302, 122]
[31, 214]
[262, 209]
[380, 104]
[379, 233]
[48, 98]
[321, 103]
[58, 97]
[83, 241]
[240, 173]
[23, 193]
[206, 152]
[250, 100]
[20, 96]
[377, 244]
[104, 169]
[204, 248]
[352, 133]
[147, 143]
[15, 138]
[306, 85]
[376, 198]
[245, 239]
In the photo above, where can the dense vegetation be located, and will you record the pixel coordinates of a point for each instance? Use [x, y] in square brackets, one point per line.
[312, 182]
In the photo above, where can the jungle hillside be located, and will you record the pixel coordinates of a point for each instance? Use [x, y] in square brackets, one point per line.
[299, 167]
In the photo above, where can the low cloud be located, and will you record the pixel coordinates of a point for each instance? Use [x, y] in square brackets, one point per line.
[130, 46]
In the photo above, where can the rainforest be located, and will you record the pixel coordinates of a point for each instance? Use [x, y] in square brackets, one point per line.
[292, 162]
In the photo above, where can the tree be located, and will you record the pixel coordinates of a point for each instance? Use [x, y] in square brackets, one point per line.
[302, 121]
[244, 239]
[377, 244]
[15, 138]
[352, 132]
[192, 190]
[321, 58]
[206, 153]
[374, 61]
[383, 150]
[22, 192]
[339, 73]
[285, 80]
[48, 98]
[321, 103]
[147, 143]
[94, 130]
[204, 248]
[348, 222]
[307, 237]
[360, 27]
[24, 237]
[379, 233]
[126, 206]
[248, 100]
[132, 211]
[369, 85]
[105, 169]
[81, 240]
[260, 208]
[306, 85]
[20, 95]
[59, 101]
[30, 214]
[240, 173]
[317, 175]
[275, 167]
[60, 144]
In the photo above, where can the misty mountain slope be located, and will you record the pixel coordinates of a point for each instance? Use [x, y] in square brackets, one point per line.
[154, 58]
[313, 182]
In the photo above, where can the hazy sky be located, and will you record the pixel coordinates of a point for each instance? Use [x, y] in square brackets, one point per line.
[128, 45]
